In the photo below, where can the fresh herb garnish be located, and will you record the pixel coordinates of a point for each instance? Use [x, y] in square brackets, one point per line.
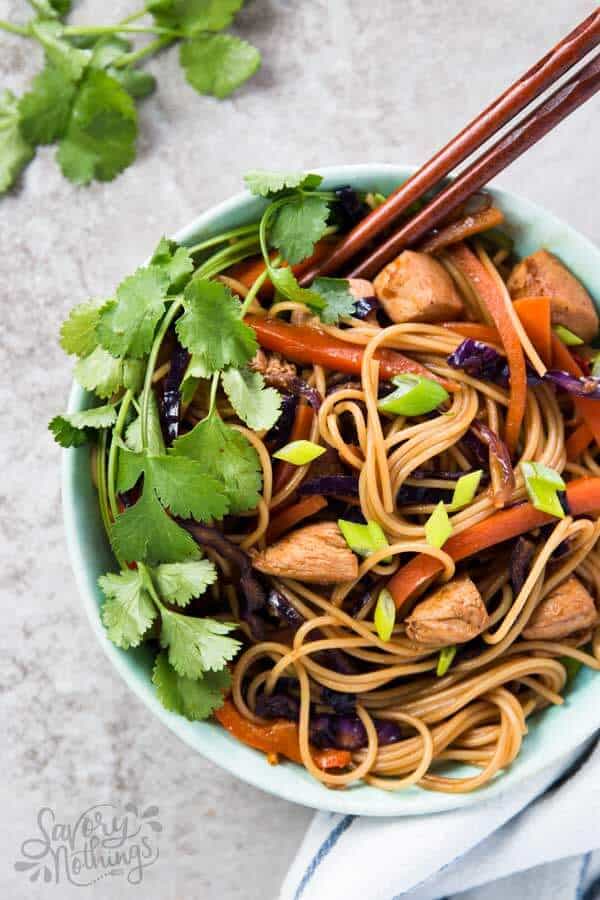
[147, 491]
[83, 98]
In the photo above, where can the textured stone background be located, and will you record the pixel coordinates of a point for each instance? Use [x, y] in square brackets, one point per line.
[343, 81]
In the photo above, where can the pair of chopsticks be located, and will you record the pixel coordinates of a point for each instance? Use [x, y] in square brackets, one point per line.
[528, 131]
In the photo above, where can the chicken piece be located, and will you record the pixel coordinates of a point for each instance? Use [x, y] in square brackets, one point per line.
[415, 287]
[453, 614]
[317, 554]
[360, 287]
[276, 370]
[567, 609]
[543, 275]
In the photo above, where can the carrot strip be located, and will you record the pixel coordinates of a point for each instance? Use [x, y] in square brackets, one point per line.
[472, 269]
[300, 432]
[278, 736]
[589, 410]
[534, 313]
[466, 227]
[249, 270]
[307, 345]
[578, 441]
[475, 331]
[583, 496]
[293, 514]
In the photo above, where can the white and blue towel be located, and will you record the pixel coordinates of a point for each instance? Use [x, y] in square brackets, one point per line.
[536, 842]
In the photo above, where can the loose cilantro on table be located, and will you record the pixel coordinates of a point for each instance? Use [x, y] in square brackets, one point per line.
[150, 493]
[83, 98]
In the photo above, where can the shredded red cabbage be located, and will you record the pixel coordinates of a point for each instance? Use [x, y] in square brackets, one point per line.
[364, 306]
[331, 486]
[252, 590]
[520, 563]
[170, 405]
[348, 732]
[500, 464]
[586, 386]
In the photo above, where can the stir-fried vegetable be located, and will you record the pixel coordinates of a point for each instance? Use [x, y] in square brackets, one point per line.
[299, 453]
[437, 527]
[542, 484]
[385, 615]
[445, 660]
[414, 396]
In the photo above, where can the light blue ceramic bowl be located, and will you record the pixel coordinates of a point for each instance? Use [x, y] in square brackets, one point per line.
[553, 735]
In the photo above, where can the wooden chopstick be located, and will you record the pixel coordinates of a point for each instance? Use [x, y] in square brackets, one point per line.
[579, 88]
[570, 50]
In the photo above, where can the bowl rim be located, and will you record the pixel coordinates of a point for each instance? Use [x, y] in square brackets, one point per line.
[290, 781]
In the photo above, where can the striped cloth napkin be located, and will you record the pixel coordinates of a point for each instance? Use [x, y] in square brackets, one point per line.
[538, 839]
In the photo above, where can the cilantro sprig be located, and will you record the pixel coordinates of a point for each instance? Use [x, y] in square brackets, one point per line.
[149, 492]
[83, 100]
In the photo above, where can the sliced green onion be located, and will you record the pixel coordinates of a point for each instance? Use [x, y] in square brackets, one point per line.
[374, 199]
[445, 660]
[385, 615]
[363, 539]
[298, 453]
[414, 396]
[572, 666]
[567, 337]
[542, 484]
[437, 527]
[596, 365]
[465, 490]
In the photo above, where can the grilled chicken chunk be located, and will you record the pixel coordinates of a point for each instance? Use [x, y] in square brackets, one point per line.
[567, 609]
[415, 287]
[543, 275]
[453, 614]
[317, 554]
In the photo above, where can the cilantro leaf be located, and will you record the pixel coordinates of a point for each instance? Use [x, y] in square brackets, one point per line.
[59, 52]
[184, 487]
[259, 407]
[15, 152]
[179, 582]
[196, 645]
[146, 532]
[72, 429]
[78, 332]
[297, 225]
[127, 324]
[128, 610]
[226, 455]
[270, 184]
[192, 16]
[45, 109]
[217, 64]
[196, 699]
[138, 83]
[108, 50]
[212, 328]
[175, 261]
[337, 296]
[51, 9]
[285, 282]
[99, 372]
[130, 466]
[100, 138]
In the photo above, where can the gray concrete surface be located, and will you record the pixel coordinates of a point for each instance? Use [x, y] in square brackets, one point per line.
[343, 81]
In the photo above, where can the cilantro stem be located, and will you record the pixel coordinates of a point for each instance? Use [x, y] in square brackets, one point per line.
[83, 30]
[234, 233]
[112, 453]
[101, 479]
[258, 283]
[134, 16]
[129, 59]
[227, 257]
[14, 29]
